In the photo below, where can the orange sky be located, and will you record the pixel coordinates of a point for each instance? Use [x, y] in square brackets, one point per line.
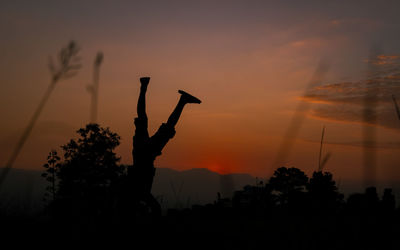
[248, 61]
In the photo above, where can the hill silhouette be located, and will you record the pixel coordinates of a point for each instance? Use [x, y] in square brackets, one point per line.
[24, 189]
[194, 186]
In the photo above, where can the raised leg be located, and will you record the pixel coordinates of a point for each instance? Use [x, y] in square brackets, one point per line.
[141, 105]
[185, 98]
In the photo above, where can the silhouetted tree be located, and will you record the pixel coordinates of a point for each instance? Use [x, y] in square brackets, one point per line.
[356, 203]
[388, 200]
[372, 198]
[323, 192]
[52, 169]
[89, 170]
[254, 199]
[362, 203]
[289, 183]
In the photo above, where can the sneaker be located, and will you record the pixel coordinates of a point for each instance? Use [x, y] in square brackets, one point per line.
[188, 98]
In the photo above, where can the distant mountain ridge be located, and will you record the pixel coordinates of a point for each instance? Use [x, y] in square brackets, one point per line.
[173, 188]
[195, 186]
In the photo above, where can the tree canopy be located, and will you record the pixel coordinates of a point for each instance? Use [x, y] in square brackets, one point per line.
[89, 168]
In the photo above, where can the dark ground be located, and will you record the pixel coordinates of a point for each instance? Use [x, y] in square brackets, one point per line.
[213, 228]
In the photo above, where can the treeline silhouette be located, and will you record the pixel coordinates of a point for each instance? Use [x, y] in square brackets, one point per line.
[91, 182]
[89, 199]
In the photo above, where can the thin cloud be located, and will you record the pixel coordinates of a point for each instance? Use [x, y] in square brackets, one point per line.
[344, 101]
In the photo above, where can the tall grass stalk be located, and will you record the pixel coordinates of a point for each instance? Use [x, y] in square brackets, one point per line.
[66, 67]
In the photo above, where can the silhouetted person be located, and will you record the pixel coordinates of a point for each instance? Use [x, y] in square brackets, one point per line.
[146, 148]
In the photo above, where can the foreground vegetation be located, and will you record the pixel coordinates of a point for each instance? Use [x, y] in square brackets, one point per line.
[289, 211]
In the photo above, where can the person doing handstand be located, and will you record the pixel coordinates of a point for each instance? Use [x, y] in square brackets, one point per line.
[146, 148]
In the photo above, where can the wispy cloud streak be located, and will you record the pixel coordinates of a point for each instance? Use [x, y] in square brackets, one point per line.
[346, 101]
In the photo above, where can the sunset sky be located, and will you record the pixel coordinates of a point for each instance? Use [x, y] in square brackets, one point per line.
[250, 62]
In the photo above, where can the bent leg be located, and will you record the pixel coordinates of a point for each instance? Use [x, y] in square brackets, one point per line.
[175, 115]
[167, 130]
